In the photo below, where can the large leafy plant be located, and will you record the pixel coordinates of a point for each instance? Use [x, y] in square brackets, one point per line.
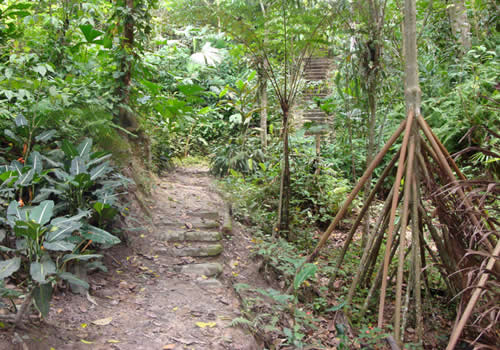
[59, 202]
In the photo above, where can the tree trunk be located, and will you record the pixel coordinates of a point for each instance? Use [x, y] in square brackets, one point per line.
[126, 118]
[371, 67]
[262, 93]
[460, 26]
[285, 190]
[370, 149]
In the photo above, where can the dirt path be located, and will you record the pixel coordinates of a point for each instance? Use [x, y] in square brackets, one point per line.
[169, 288]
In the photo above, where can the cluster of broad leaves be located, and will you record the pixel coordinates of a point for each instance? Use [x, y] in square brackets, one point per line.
[54, 202]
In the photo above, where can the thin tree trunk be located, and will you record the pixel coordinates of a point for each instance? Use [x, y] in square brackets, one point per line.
[285, 190]
[370, 150]
[127, 119]
[262, 93]
[460, 26]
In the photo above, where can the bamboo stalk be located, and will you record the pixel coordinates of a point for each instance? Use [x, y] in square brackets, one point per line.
[457, 331]
[407, 195]
[395, 199]
[355, 191]
[362, 213]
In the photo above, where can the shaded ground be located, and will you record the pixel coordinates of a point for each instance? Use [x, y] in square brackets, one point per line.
[144, 301]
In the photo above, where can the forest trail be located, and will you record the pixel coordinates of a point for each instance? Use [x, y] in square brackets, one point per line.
[169, 288]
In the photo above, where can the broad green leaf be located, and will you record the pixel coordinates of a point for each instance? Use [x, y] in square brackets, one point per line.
[190, 90]
[77, 166]
[23, 230]
[59, 246]
[84, 148]
[25, 179]
[15, 211]
[40, 270]
[45, 136]
[82, 180]
[62, 231]
[307, 271]
[35, 161]
[7, 175]
[66, 220]
[73, 279]
[21, 121]
[41, 214]
[17, 166]
[10, 135]
[42, 295]
[40, 69]
[100, 170]
[90, 33]
[69, 149]
[8, 267]
[100, 236]
[81, 257]
[99, 159]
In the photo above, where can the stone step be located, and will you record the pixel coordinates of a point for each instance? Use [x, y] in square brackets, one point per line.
[317, 121]
[203, 269]
[211, 215]
[322, 66]
[199, 223]
[198, 251]
[311, 78]
[315, 116]
[321, 73]
[190, 236]
[318, 69]
[208, 283]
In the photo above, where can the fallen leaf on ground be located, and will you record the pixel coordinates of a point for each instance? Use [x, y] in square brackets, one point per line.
[206, 324]
[169, 347]
[86, 341]
[103, 321]
[113, 341]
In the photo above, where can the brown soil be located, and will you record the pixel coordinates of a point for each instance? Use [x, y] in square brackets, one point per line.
[142, 302]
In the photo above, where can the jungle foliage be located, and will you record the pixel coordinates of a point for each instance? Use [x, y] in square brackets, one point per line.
[83, 83]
